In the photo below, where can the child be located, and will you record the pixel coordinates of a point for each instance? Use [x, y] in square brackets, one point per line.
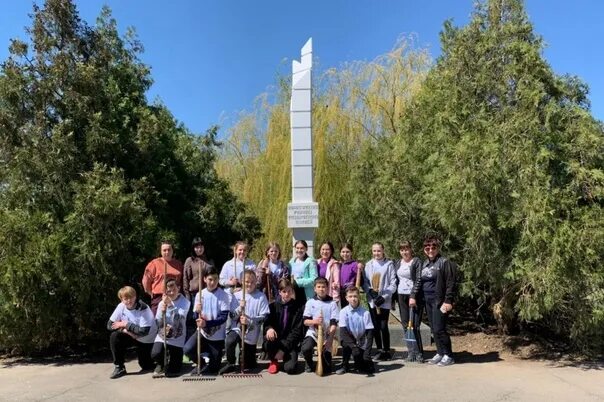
[329, 268]
[303, 272]
[270, 271]
[320, 310]
[283, 330]
[132, 324]
[379, 285]
[255, 307]
[213, 310]
[356, 334]
[349, 270]
[174, 307]
[230, 275]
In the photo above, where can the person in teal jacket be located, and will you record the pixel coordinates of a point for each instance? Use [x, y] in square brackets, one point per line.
[303, 272]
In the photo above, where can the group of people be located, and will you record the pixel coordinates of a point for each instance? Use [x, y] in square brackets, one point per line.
[199, 312]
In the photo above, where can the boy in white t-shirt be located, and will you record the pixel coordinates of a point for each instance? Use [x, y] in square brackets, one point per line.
[175, 307]
[132, 324]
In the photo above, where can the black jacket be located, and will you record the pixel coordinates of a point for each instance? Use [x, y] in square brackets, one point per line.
[292, 334]
[446, 281]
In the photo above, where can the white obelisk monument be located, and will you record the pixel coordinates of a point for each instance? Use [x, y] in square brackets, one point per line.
[302, 212]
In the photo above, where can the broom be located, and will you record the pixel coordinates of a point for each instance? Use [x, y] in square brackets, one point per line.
[410, 340]
[375, 284]
[320, 340]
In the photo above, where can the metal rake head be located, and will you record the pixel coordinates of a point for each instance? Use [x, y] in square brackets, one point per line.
[198, 378]
[242, 375]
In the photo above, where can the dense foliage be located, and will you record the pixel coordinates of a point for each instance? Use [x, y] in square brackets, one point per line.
[91, 177]
[488, 147]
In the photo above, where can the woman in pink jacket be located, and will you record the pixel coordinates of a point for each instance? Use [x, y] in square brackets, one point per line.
[329, 268]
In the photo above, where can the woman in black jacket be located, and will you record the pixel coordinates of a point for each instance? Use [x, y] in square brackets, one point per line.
[408, 275]
[437, 287]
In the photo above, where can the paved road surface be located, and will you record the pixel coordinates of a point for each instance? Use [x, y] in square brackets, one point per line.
[475, 378]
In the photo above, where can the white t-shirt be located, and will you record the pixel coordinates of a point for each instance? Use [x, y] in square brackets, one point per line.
[213, 304]
[256, 310]
[314, 308]
[405, 284]
[176, 318]
[298, 269]
[141, 316]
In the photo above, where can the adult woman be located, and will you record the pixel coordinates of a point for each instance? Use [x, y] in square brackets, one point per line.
[195, 267]
[329, 268]
[438, 288]
[270, 271]
[153, 277]
[408, 272]
[303, 272]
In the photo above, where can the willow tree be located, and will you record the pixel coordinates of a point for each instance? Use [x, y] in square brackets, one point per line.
[355, 108]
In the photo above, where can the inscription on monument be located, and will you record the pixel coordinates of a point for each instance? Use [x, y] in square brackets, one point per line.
[303, 215]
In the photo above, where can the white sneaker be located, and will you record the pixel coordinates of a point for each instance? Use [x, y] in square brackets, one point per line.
[436, 359]
[446, 361]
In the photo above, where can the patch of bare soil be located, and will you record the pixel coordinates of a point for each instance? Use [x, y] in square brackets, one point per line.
[479, 343]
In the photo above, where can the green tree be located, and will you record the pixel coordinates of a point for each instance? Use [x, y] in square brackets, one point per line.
[502, 156]
[91, 177]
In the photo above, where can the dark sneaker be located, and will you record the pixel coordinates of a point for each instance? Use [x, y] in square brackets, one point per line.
[386, 356]
[341, 370]
[308, 369]
[436, 359]
[369, 369]
[159, 370]
[118, 372]
[446, 361]
[229, 368]
[205, 370]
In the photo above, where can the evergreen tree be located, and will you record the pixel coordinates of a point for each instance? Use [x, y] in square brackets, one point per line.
[91, 177]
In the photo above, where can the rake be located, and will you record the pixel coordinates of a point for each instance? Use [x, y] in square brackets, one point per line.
[196, 374]
[163, 374]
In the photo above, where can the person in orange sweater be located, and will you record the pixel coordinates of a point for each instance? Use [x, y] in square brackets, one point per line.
[153, 278]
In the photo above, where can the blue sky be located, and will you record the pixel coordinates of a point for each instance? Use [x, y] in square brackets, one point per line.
[211, 58]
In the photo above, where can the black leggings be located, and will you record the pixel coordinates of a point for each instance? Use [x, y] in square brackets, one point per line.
[438, 325]
[380, 331]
